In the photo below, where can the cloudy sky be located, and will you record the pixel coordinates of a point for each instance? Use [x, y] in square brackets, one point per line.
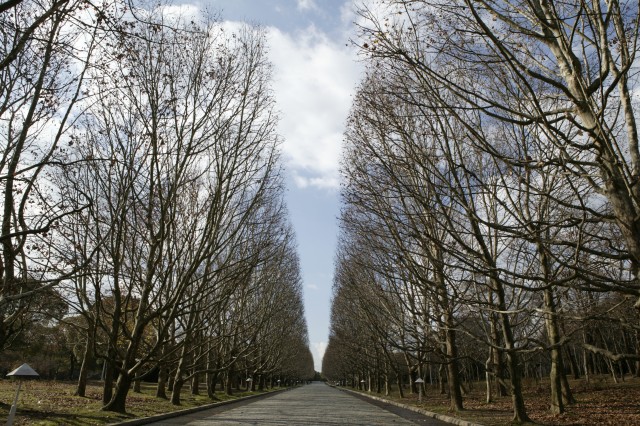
[315, 74]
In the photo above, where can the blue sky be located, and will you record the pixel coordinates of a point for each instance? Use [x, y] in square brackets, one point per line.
[315, 75]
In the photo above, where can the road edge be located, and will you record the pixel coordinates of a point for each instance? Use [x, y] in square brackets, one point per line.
[178, 413]
[442, 417]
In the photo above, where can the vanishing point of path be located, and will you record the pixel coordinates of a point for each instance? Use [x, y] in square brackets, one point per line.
[314, 404]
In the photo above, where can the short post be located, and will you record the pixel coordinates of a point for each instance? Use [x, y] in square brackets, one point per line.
[419, 382]
[249, 382]
[22, 372]
[278, 382]
[362, 382]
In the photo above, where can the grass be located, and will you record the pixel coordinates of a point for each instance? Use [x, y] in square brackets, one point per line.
[599, 402]
[48, 403]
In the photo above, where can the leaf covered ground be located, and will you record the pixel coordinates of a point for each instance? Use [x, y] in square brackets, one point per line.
[599, 402]
[53, 403]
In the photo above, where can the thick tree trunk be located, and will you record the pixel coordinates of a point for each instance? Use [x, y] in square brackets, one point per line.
[177, 389]
[178, 380]
[212, 382]
[453, 373]
[497, 359]
[119, 398]
[161, 389]
[553, 335]
[512, 359]
[107, 387]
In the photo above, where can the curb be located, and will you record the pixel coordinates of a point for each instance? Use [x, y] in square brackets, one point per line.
[443, 417]
[178, 413]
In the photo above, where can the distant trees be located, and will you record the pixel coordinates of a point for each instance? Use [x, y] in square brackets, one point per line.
[143, 198]
[489, 178]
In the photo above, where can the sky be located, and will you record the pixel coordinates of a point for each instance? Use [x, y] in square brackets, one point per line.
[316, 71]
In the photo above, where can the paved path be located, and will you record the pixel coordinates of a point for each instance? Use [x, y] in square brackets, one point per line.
[314, 404]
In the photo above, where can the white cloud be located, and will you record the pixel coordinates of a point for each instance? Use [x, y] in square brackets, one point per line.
[306, 4]
[183, 12]
[356, 11]
[348, 12]
[312, 286]
[328, 182]
[314, 79]
[317, 350]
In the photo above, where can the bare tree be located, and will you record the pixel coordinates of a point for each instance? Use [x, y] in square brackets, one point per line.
[47, 49]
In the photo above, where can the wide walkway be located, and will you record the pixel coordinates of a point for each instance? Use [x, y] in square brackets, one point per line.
[314, 404]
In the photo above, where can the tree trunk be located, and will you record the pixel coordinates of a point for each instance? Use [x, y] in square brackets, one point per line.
[443, 389]
[170, 382]
[119, 398]
[195, 384]
[453, 373]
[229, 381]
[177, 389]
[567, 394]
[587, 366]
[496, 355]
[178, 380]
[637, 373]
[573, 364]
[512, 361]
[487, 375]
[72, 365]
[212, 381]
[386, 385]
[553, 334]
[87, 358]
[161, 389]
[107, 388]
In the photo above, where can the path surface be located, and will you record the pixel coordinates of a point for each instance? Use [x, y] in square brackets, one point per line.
[314, 404]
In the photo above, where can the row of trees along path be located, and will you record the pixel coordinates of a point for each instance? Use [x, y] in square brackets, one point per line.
[491, 219]
[142, 198]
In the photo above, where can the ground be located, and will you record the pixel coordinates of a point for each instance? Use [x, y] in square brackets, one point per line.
[599, 402]
[51, 403]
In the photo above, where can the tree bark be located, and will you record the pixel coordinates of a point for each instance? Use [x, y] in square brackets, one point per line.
[161, 389]
[512, 361]
[119, 398]
[453, 373]
[87, 358]
[553, 335]
[177, 389]
[195, 384]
